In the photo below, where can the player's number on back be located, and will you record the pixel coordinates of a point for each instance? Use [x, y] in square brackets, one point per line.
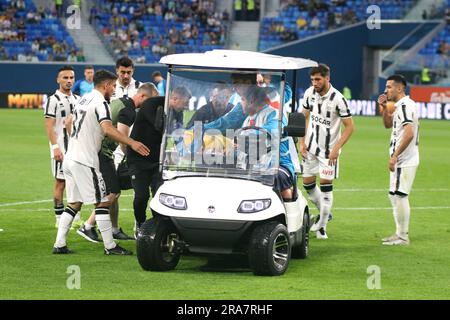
[77, 122]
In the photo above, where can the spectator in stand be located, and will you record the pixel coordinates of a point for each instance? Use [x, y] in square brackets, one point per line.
[301, 23]
[315, 23]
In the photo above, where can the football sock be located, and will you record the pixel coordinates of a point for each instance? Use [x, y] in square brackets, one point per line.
[326, 201]
[77, 217]
[313, 193]
[59, 209]
[403, 214]
[105, 226]
[65, 223]
[393, 199]
[88, 226]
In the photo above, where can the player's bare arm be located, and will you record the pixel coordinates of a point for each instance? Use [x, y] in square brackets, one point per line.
[113, 133]
[408, 135]
[346, 134]
[303, 150]
[125, 130]
[49, 125]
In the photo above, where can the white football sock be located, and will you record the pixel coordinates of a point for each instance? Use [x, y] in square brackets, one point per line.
[59, 209]
[65, 223]
[88, 226]
[105, 227]
[313, 194]
[393, 199]
[403, 214]
[326, 201]
[77, 217]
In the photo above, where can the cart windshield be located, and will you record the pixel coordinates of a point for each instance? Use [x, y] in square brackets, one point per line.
[223, 123]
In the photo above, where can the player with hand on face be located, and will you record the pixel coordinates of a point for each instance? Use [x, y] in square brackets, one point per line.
[403, 151]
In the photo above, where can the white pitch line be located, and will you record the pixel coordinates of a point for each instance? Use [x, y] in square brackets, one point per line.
[42, 201]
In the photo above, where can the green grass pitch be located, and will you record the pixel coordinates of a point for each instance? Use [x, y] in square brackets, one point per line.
[336, 268]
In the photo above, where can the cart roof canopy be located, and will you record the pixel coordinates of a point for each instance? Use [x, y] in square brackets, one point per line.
[237, 59]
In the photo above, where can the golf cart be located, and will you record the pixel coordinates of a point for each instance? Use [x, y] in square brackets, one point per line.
[218, 195]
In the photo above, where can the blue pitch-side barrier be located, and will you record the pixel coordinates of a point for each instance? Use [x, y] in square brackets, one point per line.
[41, 77]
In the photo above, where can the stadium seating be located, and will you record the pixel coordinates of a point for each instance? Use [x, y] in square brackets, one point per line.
[349, 12]
[46, 31]
[430, 55]
[113, 23]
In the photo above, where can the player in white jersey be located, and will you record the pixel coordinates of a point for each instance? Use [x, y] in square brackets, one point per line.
[325, 109]
[59, 106]
[126, 86]
[403, 152]
[91, 122]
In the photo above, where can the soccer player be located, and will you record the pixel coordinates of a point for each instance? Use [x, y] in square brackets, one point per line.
[81, 87]
[59, 106]
[85, 184]
[325, 109]
[123, 114]
[403, 151]
[126, 85]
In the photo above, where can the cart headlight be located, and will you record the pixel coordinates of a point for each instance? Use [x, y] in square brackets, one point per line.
[173, 202]
[251, 206]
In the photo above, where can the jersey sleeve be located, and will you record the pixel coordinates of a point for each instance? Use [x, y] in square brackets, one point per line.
[126, 116]
[305, 100]
[50, 107]
[405, 114]
[342, 108]
[103, 112]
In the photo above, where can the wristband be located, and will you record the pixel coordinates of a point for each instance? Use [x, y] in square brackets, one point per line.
[55, 146]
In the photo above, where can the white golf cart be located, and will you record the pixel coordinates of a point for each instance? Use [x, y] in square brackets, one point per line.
[218, 195]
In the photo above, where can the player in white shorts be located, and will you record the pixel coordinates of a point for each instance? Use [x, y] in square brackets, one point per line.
[403, 152]
[91, 122]
[325, 109]
[58, 107]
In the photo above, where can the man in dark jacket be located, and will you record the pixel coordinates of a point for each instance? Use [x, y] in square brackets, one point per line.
[144, 170]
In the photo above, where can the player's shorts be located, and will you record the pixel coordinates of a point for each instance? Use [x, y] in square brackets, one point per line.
[314, 166]
[401, 180]
[83, 184]
[57, 169]
[108, 170]
[283, 180]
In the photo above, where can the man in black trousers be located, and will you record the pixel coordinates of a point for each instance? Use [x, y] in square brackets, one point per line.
[144, 170]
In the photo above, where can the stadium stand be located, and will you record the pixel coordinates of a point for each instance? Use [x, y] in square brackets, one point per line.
[437, 49]
[299, 19]
[30, 34]
[145, 30]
